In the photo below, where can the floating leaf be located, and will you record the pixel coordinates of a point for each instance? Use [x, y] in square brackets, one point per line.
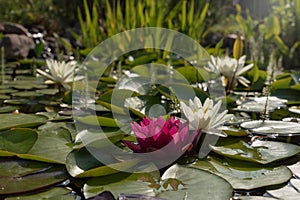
[244, 175]
[47, 91]
[26, 94]
[117, 184]
[27, 144]
[286, 193]
[20, 120]
[193, 185]
[272, 127]
[8, 109]
[263, 152]
[17, 140]
[56, 193]
[231, 131]
[99, 121]
[81, 163]
[254, 198]
[28, 176]
[295, 169]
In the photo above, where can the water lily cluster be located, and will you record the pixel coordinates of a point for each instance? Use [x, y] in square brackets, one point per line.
[177, 135]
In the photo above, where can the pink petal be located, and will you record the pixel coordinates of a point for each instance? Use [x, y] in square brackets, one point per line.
[134, 147]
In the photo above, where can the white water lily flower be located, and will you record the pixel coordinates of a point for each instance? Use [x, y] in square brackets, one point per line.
[204, 117]
[60, 73]
[231, 69]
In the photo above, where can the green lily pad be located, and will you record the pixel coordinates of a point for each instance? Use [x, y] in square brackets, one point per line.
[80, 163]
[97, 139]
[49, 143]
[18, 167]
[286, 193]
[237, 132]
[114, 99]
[28, 176]
[146, 104]
[243, 175]
[8, 109]
[117, 184]
[4, 97]
[272, 127]
[191, 184]
[27, 144]
[7, 91]
[18, 140]
[263, 152]
[17, 101]
[56, 193]
[98, 120]
[47, 91]
[26, 94]
[20, 120]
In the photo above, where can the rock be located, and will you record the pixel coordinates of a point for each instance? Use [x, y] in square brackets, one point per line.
[12, 28]
[17, 46]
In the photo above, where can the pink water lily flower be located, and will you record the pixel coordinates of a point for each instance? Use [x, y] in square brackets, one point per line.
[169, 137]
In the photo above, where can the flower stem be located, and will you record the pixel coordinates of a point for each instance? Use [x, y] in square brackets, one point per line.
[2, 66]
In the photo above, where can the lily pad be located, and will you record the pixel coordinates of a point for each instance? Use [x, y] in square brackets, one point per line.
[231, 131]
[8, 91]
[244, 175]
[17, 140]
[254, 198]
[27, 144]
[3, 97]
[295, 168]
[80, 163]
[191, 184]
[280, 128]
[26, 94]
[286, 193]
[98, 120]
[47, 91]
[20, 120]
[263, 152]
[56, 193]
[117, 184]
[8, 109]
[29, 176]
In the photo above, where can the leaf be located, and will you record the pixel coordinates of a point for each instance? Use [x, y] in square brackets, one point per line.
[81, 163]
[56, 193]
[272, 127]
[295, 169]
[243, 175]
[25, 143]
[17, 140]
[8, 109]
[117, 184]
[20, 120]
[114, 99]
[100, 121]
[146, 104]
[29, 176]
[286, 193]
[237, 132]
[262, 152]
[192, 74]
[193, 184]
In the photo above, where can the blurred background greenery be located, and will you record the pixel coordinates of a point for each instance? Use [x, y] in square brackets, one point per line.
[270, 28]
